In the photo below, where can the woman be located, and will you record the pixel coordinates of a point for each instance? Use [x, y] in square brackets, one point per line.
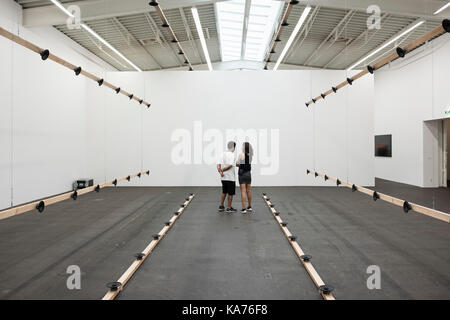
[245, 177]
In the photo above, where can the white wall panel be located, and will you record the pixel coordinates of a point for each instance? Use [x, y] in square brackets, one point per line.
[408, 93]
[9, 19]
[43, 119]
[270, 104]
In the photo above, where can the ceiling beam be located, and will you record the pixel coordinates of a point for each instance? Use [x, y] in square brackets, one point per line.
[279, 29]
[192, 42]
[174, 38]
[245, 65]
[391, 46]
[411, 8]
[248, 4]
[388, 50]
[101, 9]
[216, 18]
[50, 15]
[303, 34]
[128, 33]
[335, 33]
[99, 46]
[368, 34]
[158, 34]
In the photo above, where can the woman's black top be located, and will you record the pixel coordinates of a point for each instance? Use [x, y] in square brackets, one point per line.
[245, 164]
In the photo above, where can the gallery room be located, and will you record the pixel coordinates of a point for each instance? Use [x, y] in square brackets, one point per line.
[224, 150]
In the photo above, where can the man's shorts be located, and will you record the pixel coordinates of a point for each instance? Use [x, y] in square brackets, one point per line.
[228, 187]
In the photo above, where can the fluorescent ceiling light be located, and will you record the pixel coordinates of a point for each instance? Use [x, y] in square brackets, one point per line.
[387, 44]
[61, 7]
[293, 35]
[202, 37]
[443, 8]
[84, 26]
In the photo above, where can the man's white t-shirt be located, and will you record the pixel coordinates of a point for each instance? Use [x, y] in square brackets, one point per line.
[226, 160]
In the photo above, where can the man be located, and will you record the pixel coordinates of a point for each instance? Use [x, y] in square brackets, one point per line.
[225, 167]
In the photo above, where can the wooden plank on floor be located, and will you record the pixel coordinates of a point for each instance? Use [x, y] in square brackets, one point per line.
[131, 270]
[315, 277]
[10, 212]
[406, 205]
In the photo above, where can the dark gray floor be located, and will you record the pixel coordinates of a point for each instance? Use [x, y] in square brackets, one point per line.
[212, 256]
[99, 232]
[436, 198]
[346, 232]
[209, 255]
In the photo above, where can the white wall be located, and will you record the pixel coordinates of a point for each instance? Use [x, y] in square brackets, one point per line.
[259, 101]
[408, 93]
[115, 128]
[343, 128]
[43, 113]
[8, 17]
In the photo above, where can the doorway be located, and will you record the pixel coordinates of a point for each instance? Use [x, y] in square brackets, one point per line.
[444, 156]
[447, 147]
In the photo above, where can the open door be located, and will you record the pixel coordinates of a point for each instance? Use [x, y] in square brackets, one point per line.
[443, 142]
[446, 152]
[444, 159]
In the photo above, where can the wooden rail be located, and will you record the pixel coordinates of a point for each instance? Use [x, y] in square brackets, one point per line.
[117, 286]
[324, 290]
[41, 204]
[407, 206]
[399, 53]
[166, 24]
[277, 38]
[45, 54]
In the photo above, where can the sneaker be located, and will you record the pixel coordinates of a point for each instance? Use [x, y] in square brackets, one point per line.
[243, 211]
[221, 209]
[249, 209]
[231, 210]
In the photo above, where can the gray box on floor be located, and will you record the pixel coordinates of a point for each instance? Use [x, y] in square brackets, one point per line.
[83, 183]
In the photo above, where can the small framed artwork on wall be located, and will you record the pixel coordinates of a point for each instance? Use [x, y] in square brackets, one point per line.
[383, 146]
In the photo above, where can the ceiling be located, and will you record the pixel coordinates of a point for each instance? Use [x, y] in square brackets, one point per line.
[331, 37]
[141, 38]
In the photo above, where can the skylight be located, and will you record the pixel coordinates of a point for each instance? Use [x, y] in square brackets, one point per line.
[230, 15]
[262, 19]
[261, 23]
